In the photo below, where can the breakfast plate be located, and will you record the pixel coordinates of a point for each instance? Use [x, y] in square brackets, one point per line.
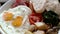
[31, 17]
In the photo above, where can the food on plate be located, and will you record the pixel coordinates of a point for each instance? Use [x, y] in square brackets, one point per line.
[38, 26]
[16, 24]
[24, 10]
[39, 5]
[32, 28]
[31, 6]
[17, 21]
[18, 2]
[28, 32]
[51, 18]
[57, 10]
[31, 17]
[35, 17]
[41, 26]
[52, 4]
[51, 31]
[21, 2]
[39, 32]
[7, 16]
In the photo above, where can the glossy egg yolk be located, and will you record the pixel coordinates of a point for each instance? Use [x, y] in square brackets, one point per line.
[7, 16]
[17, 21]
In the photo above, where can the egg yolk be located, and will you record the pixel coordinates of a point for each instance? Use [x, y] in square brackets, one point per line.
[17, 21]
[7, 16]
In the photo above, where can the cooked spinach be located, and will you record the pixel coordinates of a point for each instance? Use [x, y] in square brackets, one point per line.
[50, 17]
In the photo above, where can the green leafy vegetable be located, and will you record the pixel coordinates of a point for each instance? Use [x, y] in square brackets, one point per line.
[51, 18]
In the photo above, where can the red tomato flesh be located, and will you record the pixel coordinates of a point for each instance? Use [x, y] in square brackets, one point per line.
[35, 17]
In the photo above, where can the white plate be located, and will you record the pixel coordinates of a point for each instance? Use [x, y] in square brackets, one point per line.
[7, 5]
[3, 0]
[59, 32]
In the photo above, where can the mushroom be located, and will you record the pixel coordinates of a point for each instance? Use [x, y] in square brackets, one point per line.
[41, 26]
[39, 32]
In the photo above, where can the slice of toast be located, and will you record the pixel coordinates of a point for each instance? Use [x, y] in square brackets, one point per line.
[39, 5]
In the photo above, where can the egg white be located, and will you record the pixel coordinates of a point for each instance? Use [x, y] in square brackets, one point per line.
[18, 11]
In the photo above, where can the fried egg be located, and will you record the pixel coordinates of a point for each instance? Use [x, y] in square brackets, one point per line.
[15, 20]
